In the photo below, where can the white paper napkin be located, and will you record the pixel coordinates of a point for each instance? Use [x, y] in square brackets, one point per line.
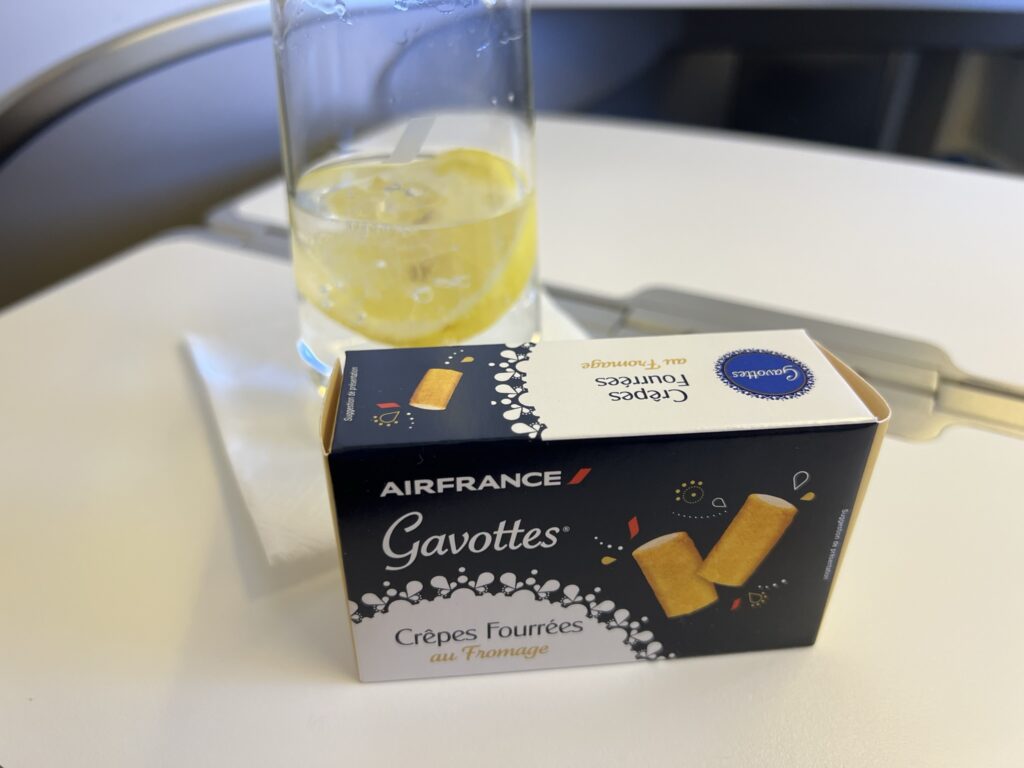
[267, 412]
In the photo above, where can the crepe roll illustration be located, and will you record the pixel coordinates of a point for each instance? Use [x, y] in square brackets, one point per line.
[670, 564]
[751, 535]
[435, 389]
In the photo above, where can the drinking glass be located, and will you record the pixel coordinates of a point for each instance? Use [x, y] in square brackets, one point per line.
[407, 133]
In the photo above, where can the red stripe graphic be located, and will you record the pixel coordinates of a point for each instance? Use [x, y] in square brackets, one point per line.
[634, 527]
[580, 476]
[388, 405]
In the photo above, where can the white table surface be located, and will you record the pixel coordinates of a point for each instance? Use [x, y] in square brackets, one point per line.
[141, 626]
[914, 248]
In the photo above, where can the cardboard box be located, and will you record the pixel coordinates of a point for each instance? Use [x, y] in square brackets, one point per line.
[567, 503]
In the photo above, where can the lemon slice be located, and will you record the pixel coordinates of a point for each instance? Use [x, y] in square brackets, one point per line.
[433, 251]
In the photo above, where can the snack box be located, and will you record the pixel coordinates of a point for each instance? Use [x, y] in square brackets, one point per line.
[504, 508]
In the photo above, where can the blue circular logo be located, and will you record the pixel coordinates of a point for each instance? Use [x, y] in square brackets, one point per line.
[765, 374]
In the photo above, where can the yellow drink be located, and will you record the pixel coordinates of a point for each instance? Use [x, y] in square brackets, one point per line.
[433, 251]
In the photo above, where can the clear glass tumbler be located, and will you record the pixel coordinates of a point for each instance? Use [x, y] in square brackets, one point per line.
[407, 130]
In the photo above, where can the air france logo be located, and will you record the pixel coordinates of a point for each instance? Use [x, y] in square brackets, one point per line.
[765, 374]
[498, 482]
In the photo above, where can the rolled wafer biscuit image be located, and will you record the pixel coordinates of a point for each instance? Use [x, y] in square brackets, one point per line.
[751, 535]
[435, 389]
[670, 563]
